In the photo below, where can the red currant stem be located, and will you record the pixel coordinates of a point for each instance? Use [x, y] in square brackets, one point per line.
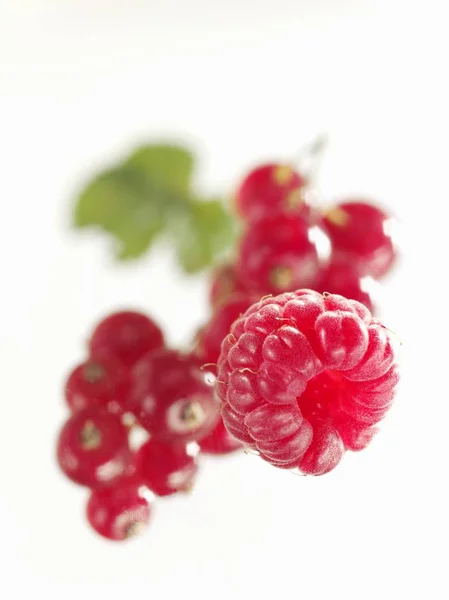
[310, 157]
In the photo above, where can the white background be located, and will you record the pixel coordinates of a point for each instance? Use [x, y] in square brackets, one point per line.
[80, 84]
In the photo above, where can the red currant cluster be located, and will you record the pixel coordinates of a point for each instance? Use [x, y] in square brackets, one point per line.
[304, 372]
[288, 244]
[131, 382]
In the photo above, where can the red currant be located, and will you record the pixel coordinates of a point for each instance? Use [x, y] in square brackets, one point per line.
[119, 511]
[93, 448]
[355, 435]
[219, 441]
[166, 468]
[282, 253]
[340, 278]
[361, 236]
[171, 398]
[102, 381]
[271, 189]
[127, 336]
[325, 451]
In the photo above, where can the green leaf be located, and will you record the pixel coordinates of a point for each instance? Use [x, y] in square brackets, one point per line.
[167, 166]
[121, 202]
[202, 235]
[149, 195]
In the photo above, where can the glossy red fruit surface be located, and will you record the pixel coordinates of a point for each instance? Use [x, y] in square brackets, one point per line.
[271, 189]
[281, 253]
[361, 236]
[103, 381]
[166, 468]
[219, 441]
[127, 336]
[171, 398]
[119, 511]
[93, 448]
[304, 376]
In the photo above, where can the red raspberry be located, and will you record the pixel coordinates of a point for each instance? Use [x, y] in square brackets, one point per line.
[341, 279]
[225, 283]
[219, 441]
[361, 236]
[98, 382]
[93, 448]
[127, 336]
[282, 253]
[166, 468]
[304, 375]
[211, 336]
[119, 511]
[171, 398]
[271, 189]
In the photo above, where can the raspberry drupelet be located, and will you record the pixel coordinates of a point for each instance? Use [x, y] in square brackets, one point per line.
[304, 376]
[219, 441]
[210, 337]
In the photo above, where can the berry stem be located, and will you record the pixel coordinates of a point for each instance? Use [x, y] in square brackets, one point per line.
[310, 157]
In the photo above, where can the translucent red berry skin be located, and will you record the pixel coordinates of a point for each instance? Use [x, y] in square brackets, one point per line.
[127, 336]
[219, 441]
[270, 189]
[280, 253]
[225, 283]
[304, 376]
[171, 398]
[98, 382]
[93, 448]
[166, 468]
[119, 511]
[213, 333]
[361, 236]
[340, 278]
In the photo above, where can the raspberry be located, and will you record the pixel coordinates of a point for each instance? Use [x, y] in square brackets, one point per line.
[171, 398]
[360, 236]
[304, 376]
[341, 279]
[166, 468]
[219, 441]
[126, 336]
[225, 283]
[209, 339]
[281, 253]
[93, 448]
[271, 189]
[98, 382]
[119, 511]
